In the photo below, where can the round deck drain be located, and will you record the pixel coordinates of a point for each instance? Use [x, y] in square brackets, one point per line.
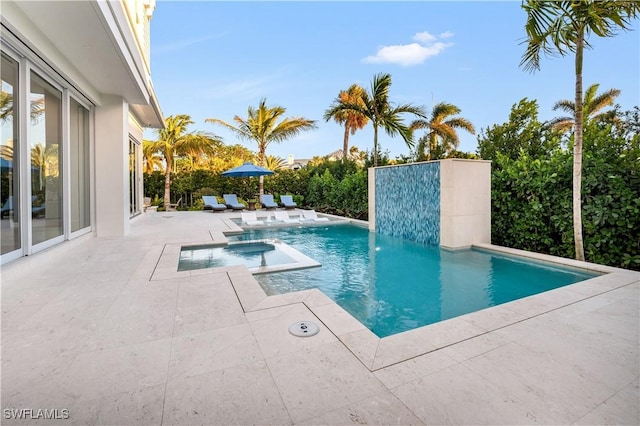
[304, 329]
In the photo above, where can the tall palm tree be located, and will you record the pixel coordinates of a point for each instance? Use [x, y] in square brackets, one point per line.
[441, 135]
[352, 120]
[262, 126]
[151, 159]
[382, 113]
[193, 152]
[591, 108]
[562, 27]
[174, 141]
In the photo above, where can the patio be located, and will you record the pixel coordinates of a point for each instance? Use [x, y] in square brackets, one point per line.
[98, 327]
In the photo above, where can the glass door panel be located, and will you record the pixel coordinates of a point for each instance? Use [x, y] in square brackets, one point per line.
[80, 178]
[45, 136]
[9, 158]
[133, 178]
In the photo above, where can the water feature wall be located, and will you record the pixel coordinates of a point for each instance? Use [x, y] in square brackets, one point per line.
[408, 202]
[445, 202]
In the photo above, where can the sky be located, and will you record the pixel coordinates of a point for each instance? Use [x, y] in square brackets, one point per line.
[214, 59]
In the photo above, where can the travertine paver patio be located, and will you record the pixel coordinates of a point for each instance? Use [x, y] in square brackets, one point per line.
[85, 329]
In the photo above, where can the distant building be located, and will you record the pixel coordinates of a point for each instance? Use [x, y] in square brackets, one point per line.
[298, 164]
[333, 156]
[76, 95]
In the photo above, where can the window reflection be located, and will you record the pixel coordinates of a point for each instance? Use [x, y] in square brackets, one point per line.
[9, 172]
[46, 164]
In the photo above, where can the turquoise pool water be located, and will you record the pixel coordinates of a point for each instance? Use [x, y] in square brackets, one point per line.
[250, 254]
[393, 285]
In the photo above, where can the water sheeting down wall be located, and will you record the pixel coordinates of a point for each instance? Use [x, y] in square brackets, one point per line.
[407, 202]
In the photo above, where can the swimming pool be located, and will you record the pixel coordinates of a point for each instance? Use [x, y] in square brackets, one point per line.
[253, 254]
[393, 285]
[260, 257]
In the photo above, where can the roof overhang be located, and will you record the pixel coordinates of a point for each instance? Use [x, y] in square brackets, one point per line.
[95, 38]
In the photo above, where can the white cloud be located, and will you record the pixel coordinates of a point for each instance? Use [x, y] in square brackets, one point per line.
[410, 54]
[424, 37]
[406, 54]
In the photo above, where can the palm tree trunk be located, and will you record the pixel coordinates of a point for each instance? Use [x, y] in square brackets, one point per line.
[167, 187]
[433, 146]
[577, 155]
[345, 143]
[261, 153]
[375, 145]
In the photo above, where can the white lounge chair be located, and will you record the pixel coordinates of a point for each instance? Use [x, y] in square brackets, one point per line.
[311, 215]
[173, 206]
[251, 219]
[283, 216]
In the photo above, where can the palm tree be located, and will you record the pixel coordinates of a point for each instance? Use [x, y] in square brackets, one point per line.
[197, 158]
[562, 27]
[591, 107]
[151, 158]
[44, 158]
[262, 126]
[441, 136]
[382, 113]
[6, 107]
[174, 141]
[352, 120]
[274, 163]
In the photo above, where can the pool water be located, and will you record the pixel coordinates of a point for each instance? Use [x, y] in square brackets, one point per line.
[252, 255]
[393, 285]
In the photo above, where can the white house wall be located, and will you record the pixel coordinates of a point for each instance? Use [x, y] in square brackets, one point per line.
[90, 49]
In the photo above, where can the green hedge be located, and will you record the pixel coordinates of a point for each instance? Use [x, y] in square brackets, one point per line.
[532, 201]
[346, 197]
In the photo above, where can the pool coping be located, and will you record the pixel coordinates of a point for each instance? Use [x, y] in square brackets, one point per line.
[376, 353]
[167, 266]
[300, 260]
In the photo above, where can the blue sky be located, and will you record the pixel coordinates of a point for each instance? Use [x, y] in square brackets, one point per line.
[214, 59]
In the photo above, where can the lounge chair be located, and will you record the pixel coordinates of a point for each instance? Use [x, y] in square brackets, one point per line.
[267, 201]
[231, 200]
[311, 215]
[287, 202]
[211, 203]
[173, 206]
[250, 218]
[283, 216]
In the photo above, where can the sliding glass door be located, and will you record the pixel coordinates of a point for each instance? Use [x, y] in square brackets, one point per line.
[79, 166]
[45, 144]
[10, 232]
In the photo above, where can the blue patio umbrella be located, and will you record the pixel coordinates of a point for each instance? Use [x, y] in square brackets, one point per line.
[247, 170]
